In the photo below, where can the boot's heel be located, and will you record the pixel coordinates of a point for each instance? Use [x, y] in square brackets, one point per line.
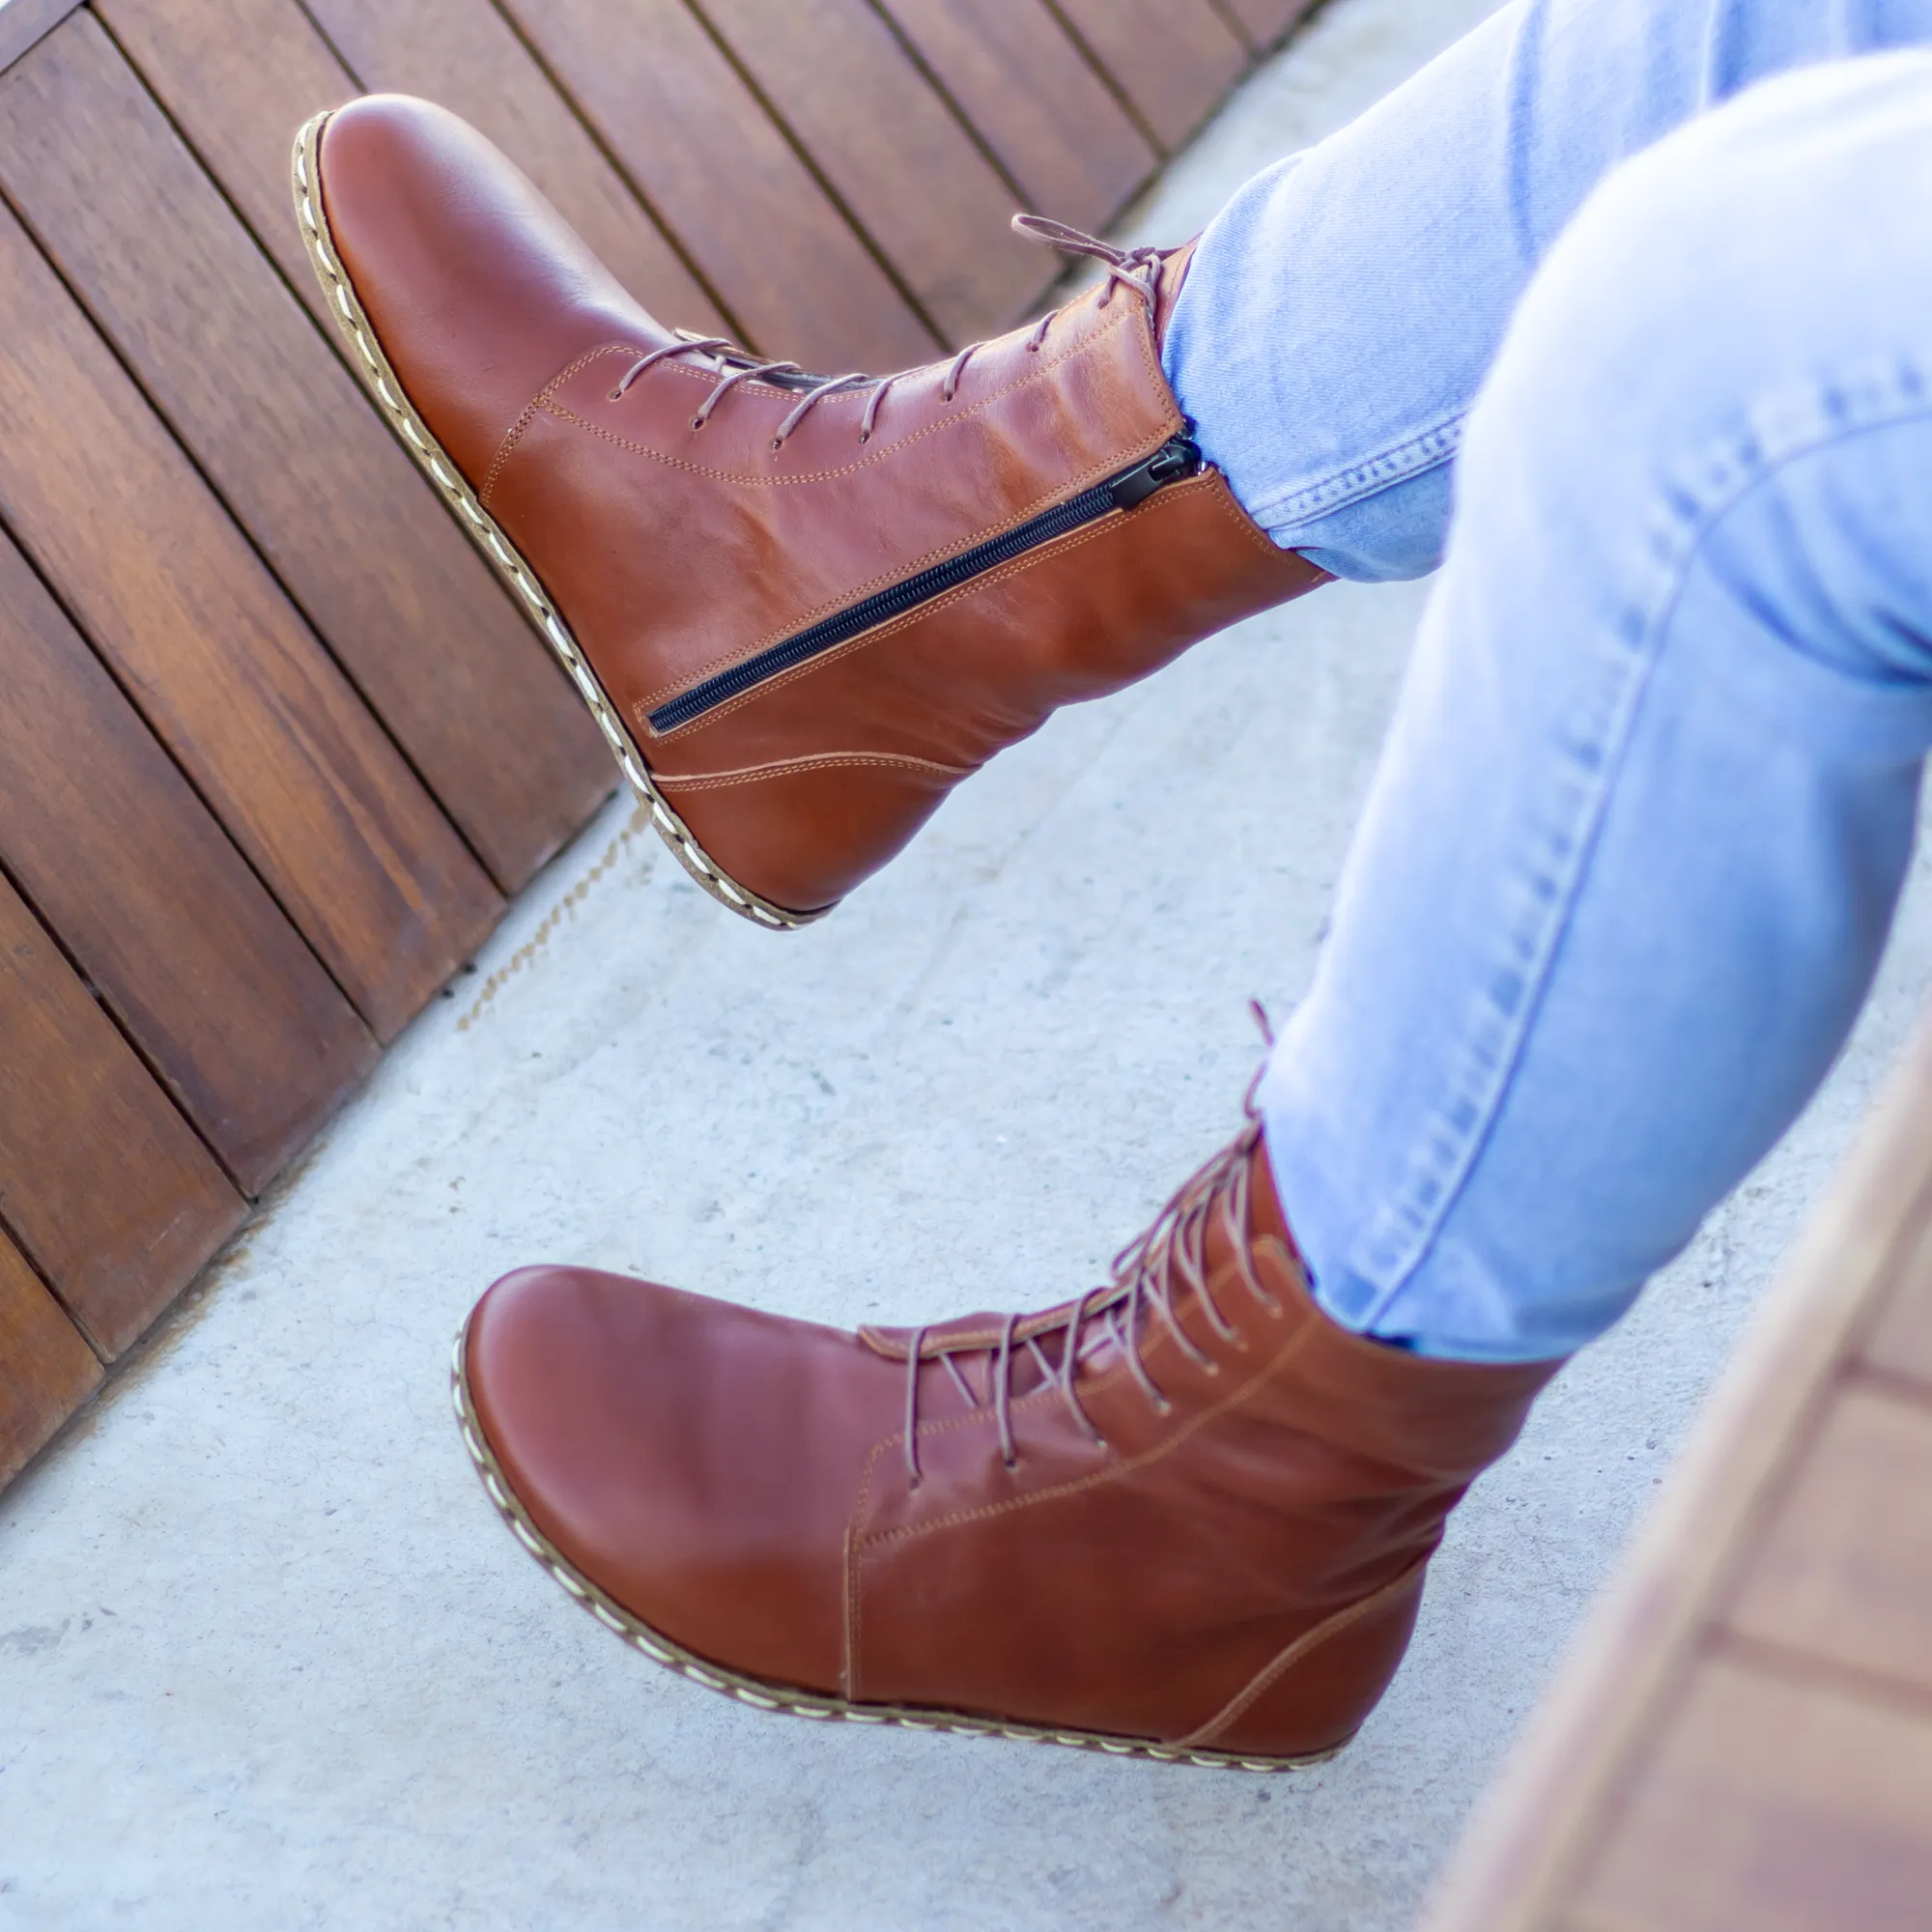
[1329, 1679]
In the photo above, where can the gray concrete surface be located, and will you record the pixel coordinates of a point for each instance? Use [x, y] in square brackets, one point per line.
[268, 1658]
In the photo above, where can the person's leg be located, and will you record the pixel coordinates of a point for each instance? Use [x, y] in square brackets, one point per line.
[1619, 890]
[1341, 312]
[1637, 839]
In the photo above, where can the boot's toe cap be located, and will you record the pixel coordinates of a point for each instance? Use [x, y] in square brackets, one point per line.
[695, 1460]
[477, 288]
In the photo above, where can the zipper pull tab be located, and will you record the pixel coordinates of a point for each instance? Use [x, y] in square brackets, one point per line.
[1177, 458]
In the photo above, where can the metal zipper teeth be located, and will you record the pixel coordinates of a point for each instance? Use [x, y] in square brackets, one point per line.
[1176, 459]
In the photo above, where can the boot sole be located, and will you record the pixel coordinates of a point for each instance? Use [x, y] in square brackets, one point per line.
[371, 369]
[765, 1697]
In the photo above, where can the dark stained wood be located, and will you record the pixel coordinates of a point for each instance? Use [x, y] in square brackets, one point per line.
[695, 139]
[1066, 141]
[1771, 1804]
[279, 427]
[47, 1371]
[102, 1183]
[462, 54]
[1267, 21]
[174, 932]
[1174, 59]
[894, 154]
[221, 665]
[23, 23]
[1843, 1570]
[272, 729]
[239, 79]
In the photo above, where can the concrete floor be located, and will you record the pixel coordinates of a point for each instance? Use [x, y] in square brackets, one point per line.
[268, 1660]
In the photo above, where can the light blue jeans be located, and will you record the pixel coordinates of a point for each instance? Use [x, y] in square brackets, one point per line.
[1646, 288]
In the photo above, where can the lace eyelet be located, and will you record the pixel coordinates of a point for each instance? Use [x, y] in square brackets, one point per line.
[777, 443]
[1012, 1463]
[616, 396]
[865, 435]
[697, 422]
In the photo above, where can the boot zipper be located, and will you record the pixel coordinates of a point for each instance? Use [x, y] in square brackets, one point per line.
[1177, 458]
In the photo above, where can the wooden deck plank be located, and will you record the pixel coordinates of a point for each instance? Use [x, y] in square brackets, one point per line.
[26, 23]
[1775, 1804]
[693, 136]
[174, 932]
[1900, 1340]
[47, 1371]
[1174, 59]
[1517, 1867]
[464, 55]
[277, 424]
[1068, 145]
[894, 154]
[1843, 1571]
[221, 665]
[238, 80]
[102, 1183]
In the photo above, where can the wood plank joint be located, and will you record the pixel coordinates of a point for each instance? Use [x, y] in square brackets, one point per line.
[26, 23]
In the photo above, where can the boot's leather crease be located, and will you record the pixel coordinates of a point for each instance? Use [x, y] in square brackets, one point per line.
[1184, 1515]
[800, 606]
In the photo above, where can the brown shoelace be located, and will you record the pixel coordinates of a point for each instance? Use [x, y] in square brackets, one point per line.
[1151, 1275]
[1135, 268]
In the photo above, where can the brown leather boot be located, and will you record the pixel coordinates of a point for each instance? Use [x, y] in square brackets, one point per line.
[801, 607]
[1184, 1515]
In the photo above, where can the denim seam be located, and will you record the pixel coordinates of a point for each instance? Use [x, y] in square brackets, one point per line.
[1427, 449]
[1439, 1171]
[1410, 1226]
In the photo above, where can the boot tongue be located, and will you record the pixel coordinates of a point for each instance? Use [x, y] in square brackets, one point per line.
[797, 381]
[960, 1359]
[963, 1333]
[1266, 1218]
[1167, 285]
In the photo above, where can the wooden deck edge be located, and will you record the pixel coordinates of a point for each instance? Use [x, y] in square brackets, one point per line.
[26, 23]
[1538, 1820]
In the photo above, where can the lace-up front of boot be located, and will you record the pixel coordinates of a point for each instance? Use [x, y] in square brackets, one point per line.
[800, 606]
[1160, 1272]
[1135, 270]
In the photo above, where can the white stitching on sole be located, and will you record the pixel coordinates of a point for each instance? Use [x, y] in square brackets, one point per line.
[774, 1697]
[373, 370]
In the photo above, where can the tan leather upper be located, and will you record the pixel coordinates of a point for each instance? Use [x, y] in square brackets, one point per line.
[1239, 1571]
[676, 551]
